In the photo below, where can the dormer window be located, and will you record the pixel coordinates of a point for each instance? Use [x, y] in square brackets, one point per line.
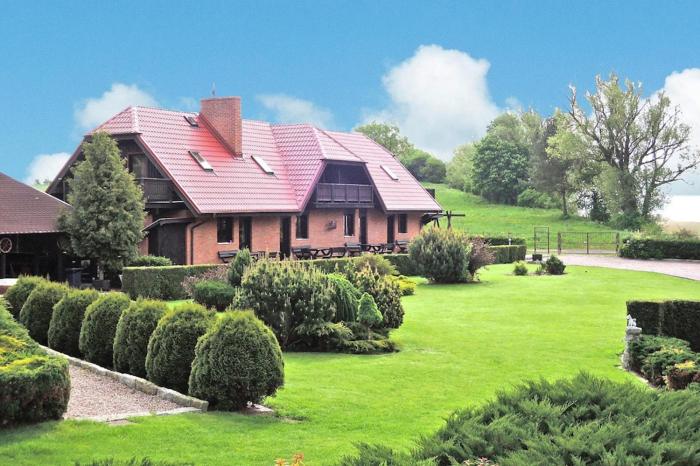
[206, 166]
[190, 119]
[390, 172]
[263, 165]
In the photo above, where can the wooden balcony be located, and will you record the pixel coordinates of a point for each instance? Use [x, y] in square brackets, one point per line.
[158, 191]
[344, 195]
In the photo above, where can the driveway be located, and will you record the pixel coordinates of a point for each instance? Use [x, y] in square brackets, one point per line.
[677, 268]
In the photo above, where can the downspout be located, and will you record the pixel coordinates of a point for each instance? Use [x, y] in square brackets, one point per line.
[191, 228]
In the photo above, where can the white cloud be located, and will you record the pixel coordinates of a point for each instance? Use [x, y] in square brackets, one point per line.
[288, 109]
[439, 99]
[45, 166]
[95, 111]
[683, 88]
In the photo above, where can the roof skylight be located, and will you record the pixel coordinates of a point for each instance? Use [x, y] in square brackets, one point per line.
[190, 119]
[201, 161]
[261, 162]
[390, 172]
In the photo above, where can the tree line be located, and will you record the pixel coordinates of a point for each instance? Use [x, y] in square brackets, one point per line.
[610, 155]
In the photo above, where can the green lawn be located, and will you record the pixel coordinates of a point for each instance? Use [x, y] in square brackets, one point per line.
[459, 344]
[485, 218]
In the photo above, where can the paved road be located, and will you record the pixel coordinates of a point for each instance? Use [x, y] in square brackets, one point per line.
[677, 268]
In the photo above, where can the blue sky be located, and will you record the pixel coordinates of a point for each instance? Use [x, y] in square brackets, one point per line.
[440, 70]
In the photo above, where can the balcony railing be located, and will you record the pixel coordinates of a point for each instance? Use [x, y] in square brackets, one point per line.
[336, 194]
[158, 190]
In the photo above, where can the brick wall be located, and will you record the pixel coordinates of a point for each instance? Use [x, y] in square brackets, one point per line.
[223, 114]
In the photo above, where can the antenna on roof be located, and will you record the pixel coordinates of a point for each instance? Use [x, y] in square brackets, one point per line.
[213, 89]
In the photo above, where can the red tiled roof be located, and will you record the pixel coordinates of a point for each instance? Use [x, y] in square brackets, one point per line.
[24, 209]
[296, 153]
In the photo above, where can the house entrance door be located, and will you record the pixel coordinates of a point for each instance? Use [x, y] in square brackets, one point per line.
[285, 236]
[390, 229]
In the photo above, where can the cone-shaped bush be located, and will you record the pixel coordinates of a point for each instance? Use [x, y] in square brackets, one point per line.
[20, 291]
[66, 320]
[171, 346]
[442, 255]
[38, 308]
[238, 265]
[99, 327]
[236, 362]
[135, 327]
[368, 313]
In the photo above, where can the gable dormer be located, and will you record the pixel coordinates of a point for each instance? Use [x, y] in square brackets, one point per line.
[344, 185]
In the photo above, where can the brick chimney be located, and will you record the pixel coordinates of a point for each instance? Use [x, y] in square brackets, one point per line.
[223, 115]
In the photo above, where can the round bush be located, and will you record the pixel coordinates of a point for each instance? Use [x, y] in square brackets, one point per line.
[520, 268]
[20, 291]
[171, 346]
[554, 266]
[66, 320]
[135, 327]
[442, 255]
[38, 308]
[236, 362]
[213, 294]
[151, 261]
[99, 326]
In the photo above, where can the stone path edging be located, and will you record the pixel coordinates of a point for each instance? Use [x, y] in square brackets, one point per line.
[137, 383]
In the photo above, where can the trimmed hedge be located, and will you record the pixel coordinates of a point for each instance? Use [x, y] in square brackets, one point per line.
[20, 291]
[99, 327]
[213, 294]
[404, 264]
[67, 319]
[134, 329]
[679, 319]
[582, 421]
[38, 308]
[644, 248]
[171, 346]
[238, 361]
[502, 240]
[160, 282]
[508, 254]
[151, 261]
[33, 386]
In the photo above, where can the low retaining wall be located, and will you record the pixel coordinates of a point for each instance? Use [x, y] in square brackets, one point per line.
[137, 383]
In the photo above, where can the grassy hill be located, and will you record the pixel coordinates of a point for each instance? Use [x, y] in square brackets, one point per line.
[485, 218]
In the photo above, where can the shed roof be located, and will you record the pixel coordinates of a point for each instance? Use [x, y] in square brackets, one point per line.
[25, 210]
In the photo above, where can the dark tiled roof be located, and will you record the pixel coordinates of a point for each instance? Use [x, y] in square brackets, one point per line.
[24, 209]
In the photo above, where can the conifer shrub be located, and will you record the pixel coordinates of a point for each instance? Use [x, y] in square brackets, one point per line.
[346, 298]
[213, 294]
[134, 329]
[38, 308]
[99, 327]
[151, 261]
[442, 255]
[407, 287]
[520, 268]
[583, 421]
[67, 319]
[368, 314]
[554, 266]
[238, 361]
[171, 346]
[386, 293]
[20, 291]
[238, 266]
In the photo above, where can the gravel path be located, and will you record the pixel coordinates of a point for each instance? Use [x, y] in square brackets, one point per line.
[96, 395]
[677, 268]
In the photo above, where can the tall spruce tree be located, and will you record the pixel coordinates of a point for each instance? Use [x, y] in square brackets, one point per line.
[106, 221]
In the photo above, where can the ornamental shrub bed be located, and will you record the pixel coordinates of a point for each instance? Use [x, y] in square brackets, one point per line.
[135, 327]
[665, 361]
[171, 345]
[238, 361]
[33, 386]
[160, 282]
[213, 294]
[38, 308]
[20, 291]
[582, 421]
[679, 319]
[67, 319]
[99, 327]
[647, 248]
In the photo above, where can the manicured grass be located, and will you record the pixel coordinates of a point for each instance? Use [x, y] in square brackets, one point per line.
[460, 343]
[492, 219]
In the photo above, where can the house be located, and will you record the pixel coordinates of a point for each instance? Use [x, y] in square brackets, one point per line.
[215, 183]
[30, 240]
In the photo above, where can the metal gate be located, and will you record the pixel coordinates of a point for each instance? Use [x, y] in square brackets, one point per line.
[541, 240]
[584, 242]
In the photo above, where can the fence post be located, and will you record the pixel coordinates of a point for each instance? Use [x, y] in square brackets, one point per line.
[559, 242]
[617, 242]
[588, 242]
